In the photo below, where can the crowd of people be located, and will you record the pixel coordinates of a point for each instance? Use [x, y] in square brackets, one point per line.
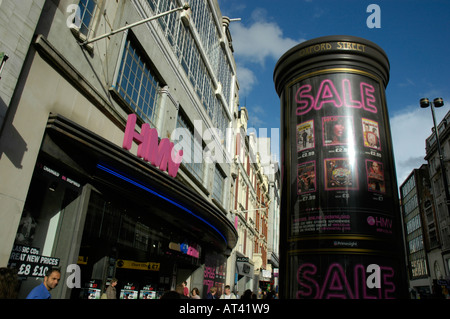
[9, 289]
[182, 292]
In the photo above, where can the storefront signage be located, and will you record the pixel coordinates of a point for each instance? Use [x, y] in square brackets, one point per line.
[215, 273]
[57, 174]
[29, 263]
[193, 250]
[161, 155]
[129, 264]
[82, 260]
[244, 269]
[443, 282]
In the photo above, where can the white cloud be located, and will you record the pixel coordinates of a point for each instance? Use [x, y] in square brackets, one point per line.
[259, 41]
[246, 78]
[254, 43]
[409, 131]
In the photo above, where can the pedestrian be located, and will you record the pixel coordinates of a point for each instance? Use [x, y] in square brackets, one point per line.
[9, 284]
[111, 290]
[228, 294]
[51, 280]
[180, 289]
[195, 294]
[270, 294]
[247, 295]
[212, 293]
[185, 289]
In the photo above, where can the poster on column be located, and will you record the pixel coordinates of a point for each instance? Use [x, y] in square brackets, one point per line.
[340, 221]
[342, 186]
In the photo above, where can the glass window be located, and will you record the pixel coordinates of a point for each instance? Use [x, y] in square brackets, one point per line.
[418, 267]
[53, 197]
[219, 181]
[192, 148]
[192, 55]
[87, 10]
[136, 83]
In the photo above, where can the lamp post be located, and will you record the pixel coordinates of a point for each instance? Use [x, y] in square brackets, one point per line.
[438, 102]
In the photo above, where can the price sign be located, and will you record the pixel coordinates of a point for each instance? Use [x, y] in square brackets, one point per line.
[29, 263]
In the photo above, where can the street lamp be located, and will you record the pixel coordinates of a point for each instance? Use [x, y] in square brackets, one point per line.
[438, 102]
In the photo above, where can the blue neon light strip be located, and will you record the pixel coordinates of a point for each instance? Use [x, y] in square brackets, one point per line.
[110, 171]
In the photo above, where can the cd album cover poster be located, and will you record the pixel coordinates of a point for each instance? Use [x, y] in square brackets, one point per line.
[341, 174]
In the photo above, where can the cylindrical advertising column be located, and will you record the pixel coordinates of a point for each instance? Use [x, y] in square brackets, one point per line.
[341, 232]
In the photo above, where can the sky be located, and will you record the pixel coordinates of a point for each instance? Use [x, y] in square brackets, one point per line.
[415, 34]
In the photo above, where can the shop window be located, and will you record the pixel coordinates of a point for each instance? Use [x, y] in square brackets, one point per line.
[126, 240]
[46, 226]
[136, 82]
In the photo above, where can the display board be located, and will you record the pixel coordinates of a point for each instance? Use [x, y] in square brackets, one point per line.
[341, 230]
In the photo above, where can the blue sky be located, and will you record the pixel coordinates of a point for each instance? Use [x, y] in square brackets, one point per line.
[414, 34]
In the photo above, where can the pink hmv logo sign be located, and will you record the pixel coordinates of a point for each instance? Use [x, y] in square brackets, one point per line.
[160, 154]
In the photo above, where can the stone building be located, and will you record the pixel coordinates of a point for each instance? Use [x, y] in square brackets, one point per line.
[86, 185]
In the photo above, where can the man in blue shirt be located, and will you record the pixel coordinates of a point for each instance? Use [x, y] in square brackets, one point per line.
[42, 291]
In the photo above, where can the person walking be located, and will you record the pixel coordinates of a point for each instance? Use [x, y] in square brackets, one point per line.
[195, 293]
[185, 289]
[180, 289]
[51, 280]
[228, 294]
[247, 295]
[111, 290]
[212, 293]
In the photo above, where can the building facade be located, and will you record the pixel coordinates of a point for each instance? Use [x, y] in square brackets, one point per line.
[250, 209]
[273, 173]
[94, 180]
[422, 239]
[440, 262]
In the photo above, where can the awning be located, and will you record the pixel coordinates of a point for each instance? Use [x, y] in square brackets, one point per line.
[244, 266]
[107, 163]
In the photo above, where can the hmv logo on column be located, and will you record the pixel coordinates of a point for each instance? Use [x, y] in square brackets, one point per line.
[382, 224]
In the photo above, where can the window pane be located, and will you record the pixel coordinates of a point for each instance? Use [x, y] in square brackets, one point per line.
[192, 149]
[87, 8]
[218, 185]
[137, 85]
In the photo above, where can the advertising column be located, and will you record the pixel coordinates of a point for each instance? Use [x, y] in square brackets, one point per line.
[341, 233]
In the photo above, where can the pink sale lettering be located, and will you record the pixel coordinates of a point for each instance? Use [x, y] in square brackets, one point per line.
[336, 284]
[328, 93]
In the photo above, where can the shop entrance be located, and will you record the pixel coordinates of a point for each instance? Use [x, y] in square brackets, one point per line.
[127, 241]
